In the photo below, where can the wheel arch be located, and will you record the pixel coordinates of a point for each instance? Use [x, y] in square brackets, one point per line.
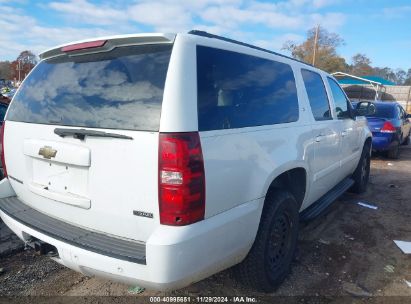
[368, 141]
[294, 179]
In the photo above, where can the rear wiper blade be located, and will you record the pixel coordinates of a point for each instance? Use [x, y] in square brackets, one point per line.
[82, 133]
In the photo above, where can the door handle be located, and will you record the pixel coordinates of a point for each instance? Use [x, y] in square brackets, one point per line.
[319, 138]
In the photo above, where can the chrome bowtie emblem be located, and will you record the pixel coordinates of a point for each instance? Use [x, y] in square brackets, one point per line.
[47, 152]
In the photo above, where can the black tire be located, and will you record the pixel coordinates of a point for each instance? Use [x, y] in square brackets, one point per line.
[407, 140]
[361, 174]
[394, 153]
[268, 262]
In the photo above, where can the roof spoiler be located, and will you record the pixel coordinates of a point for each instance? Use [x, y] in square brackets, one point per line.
[96, 45]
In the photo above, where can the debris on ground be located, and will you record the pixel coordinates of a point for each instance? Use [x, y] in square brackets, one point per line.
[9, 242]
[389, 268]
[325, 242]
[367, 205]
[1, 270]
[390, 164]
[392, 186]
[355, 290]
[408, 283]
[136, 290]
[404, 246]
[349, 237]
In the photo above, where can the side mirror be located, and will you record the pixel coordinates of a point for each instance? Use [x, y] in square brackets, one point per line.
[365, 108]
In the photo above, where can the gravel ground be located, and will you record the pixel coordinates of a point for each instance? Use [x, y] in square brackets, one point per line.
[9, 242]
[347, 253]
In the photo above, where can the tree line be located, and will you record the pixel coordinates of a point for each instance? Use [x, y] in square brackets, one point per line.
[327, 58]
[19, 68]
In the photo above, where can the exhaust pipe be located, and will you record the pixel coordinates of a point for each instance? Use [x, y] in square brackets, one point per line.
[43, 248]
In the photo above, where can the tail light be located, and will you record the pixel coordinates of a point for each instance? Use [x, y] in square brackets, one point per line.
[181, 179]
[388, 127]
[83, 46]
[2, 148]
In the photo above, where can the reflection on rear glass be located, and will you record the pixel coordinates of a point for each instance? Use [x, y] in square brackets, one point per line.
[383, 112]
[121, 89]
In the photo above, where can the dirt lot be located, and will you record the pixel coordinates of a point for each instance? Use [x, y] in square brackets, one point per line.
[347, 252]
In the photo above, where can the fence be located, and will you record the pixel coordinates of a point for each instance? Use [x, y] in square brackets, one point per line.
[401, 94]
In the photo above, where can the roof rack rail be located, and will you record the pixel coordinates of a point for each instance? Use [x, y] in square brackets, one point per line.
[208, 35]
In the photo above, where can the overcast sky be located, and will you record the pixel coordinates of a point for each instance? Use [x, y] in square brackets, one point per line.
[379, 28]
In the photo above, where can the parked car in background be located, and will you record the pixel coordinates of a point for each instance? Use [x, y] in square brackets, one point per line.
[390, 126]
[3, 110]
[6, 94]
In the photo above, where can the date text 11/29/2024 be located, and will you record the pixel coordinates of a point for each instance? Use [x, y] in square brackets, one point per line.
[207, 299]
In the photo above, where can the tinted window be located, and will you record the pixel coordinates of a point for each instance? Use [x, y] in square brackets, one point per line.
[383, 111]
[237, 90]
[402, 112]
[340, 101]
[120, 89]
[317, 95]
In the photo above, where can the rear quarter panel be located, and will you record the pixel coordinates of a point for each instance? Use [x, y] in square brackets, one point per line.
[240, 165]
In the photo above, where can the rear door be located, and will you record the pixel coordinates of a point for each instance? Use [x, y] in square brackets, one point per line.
[325, 133]
[348, 130]
[82, 138]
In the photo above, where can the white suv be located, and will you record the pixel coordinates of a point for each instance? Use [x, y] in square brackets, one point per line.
[161, 159]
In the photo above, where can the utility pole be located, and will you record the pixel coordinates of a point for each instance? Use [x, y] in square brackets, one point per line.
[317, 29]
[19, 68]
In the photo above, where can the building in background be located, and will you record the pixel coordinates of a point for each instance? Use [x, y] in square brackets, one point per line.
[369, 88]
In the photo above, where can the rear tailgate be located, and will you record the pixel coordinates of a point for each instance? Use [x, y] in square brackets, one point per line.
[106, 183]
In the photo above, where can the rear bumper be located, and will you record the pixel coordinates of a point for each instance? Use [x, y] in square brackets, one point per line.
[384, 142]
[175, 256]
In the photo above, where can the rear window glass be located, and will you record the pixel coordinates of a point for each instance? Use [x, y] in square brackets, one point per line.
[237, 90]
[120, 89]
[383, 112]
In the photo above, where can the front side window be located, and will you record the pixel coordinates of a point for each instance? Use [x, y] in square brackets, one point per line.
[340, 101]
[317, 95]
[237, 90]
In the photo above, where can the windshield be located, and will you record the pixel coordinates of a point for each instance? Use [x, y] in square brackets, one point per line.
[120, 89]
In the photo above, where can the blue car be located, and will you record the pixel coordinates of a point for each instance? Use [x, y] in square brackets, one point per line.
[390, 126]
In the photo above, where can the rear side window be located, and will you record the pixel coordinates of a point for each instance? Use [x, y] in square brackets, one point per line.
[317, 95]
[340, 101]
[237, 90]
[120, 89]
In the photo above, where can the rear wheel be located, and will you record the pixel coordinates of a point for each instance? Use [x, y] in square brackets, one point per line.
[394, 152]
[269, 259]
[362, 172]
[407, 140]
